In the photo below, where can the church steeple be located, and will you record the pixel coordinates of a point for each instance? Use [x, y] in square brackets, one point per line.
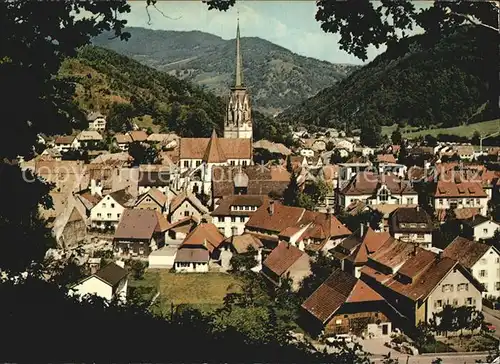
[238, 121]
[239, 71]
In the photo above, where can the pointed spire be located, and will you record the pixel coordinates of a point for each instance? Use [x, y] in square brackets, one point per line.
[239, 71]
[214, 152]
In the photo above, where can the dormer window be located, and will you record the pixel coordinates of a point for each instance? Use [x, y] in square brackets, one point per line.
[383, 195]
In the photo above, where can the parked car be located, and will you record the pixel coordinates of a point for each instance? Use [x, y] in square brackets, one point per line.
[489, 327]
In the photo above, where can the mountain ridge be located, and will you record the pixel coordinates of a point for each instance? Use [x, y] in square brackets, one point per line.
[276, 77]
[418, 82]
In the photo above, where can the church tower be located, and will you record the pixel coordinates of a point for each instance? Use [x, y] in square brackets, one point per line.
[238, 120]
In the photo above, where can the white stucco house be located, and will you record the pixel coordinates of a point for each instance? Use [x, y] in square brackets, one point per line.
[108, 211]
[66, 142]
[479, 227]
[482, 260]
[97, 121]
[109, 282]
[461, 195]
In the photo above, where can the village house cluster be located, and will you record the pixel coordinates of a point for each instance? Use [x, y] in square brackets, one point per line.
[207, 200]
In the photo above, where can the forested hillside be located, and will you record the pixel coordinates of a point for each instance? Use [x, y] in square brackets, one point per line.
[276, 77]
[422, 81]
[109, 82]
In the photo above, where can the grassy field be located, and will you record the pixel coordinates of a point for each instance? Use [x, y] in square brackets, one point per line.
[145, 122]
[202, 291]
[485, 127]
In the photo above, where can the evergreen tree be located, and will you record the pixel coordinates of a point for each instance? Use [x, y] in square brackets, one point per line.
[396, 136]
[371, 134]
[292, 192]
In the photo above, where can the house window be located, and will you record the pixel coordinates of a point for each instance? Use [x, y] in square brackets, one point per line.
[244, 163]
[497, 286]
[113, 205]
[447, 288]
[103, 205]
[109, 215]
[234, 230]
[186, 213]
[186, 164]
[485, 286]
[383, 195]
[470, 301]
[118, 215]
[338, 322]
[440, 201]
[483, 261]
[247, 208]
[198, 163]
[420, 236]
[463, 287]
[483, 273]
[233, 219]
[485, 231]
[232, 163]
[141, 251]
[410, 201]
[455, 302]
[438, 304]
[98, 214]
[478, 201]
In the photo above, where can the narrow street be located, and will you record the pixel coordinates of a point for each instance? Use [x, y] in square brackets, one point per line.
[492, 316]
[447, 358]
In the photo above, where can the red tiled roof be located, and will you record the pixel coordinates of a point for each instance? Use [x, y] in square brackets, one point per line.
[137, 224]
[339, 288]
[465, 251]
[233, 148]
[204, 234]
[386, 158]
[282, 257]
[214, 152]
[463, 189]
[367, 183]
[138, 136]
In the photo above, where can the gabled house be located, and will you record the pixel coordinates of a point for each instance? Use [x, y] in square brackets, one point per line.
[286, 261]
[413, 225]
[70, 228]
[109, 282]
[417, 282]
[458, 195]
[186, 205]
[122, 141]
[139, 233]
[353, 252]
[154, 199]
[97, 121]
[308, 230]
[250, 180]
[482, 260]
[198, 248]
[89, 138]
[160, 179]
[108, 211]
[233, 212]
[479, 227]
[377, 189]
[344, 304]
[240, 245]
[66, 142]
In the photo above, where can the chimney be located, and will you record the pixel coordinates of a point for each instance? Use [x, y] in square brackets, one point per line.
[439, 255]
[271, 208]
[95, 187]
[361, 229]
[418, 208]
[120, 263]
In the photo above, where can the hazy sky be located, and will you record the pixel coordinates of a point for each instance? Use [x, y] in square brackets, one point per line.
[290, 24]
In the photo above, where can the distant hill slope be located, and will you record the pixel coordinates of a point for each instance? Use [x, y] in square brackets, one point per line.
[103, 77]
[419, 82]
[276, 77]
